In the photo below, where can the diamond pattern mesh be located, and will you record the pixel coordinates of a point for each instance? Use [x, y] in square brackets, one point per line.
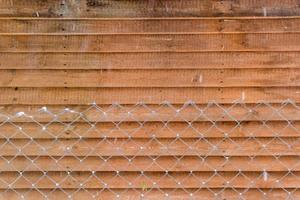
[190, 151]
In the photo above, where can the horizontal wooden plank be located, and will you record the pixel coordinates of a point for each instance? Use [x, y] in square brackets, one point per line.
[153, 147]
[171, 60]
[147, 164]
[71, 96]
[211, 112]
[77, 130]
[154, 194]
[167, 8]
[68, 95]
[150, 42]
[151, 25]
[150, 78]
[149, 180]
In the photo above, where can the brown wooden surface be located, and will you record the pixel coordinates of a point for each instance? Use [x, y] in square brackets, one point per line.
[203, 194]
[72, 96]
[69, 54]
[150, 25]
[162, 113]
[150, 129]
[173, 181]
[161, 164]
[151, 78]
[143, 8]
[155, 147]
[151, 42]
[158, 60]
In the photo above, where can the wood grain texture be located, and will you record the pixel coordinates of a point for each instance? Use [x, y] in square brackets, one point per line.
[72, 96]
[174, 180]
[131, 8]
[68, 54]
[149, 25]
[151, 78]
[155, 147]
[203, 194]
[158, 60]
[77, 130]
[150, 42]
[147, 164]
[161, 113]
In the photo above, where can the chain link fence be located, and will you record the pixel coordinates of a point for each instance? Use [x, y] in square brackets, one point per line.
[190, 151]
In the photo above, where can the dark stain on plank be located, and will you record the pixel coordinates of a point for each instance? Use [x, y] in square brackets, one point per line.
[96, 3]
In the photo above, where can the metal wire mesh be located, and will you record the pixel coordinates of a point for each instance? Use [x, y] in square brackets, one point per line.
[188, 151]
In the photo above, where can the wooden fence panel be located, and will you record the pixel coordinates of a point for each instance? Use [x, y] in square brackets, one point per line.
[173, 99]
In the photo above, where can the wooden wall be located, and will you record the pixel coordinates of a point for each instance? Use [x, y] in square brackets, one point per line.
[71, 53]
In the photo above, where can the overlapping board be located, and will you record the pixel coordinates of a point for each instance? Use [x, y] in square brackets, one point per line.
[68, 53]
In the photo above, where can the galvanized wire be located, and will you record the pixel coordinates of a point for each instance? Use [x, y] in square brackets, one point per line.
[166, 137]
